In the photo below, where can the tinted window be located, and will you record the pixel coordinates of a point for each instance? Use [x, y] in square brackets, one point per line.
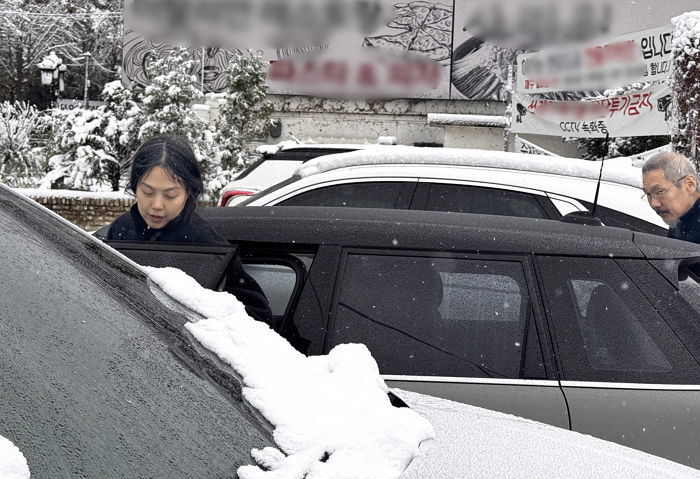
[358, 195]
[474, 199]
[615, 218]
[437, 316]
[605, 329]
[93, 385]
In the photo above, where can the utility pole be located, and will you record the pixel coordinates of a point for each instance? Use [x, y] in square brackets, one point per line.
[87, 56]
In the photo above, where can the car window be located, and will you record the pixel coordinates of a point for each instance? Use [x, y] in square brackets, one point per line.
[374, 194]
[93, 382]
[277, 282]
[603, 317]
[616, 218]
[605, 329]
[437, 316]
[476, 199]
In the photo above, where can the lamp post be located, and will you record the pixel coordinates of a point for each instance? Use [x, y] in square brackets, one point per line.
[52, 71]
[87, 56]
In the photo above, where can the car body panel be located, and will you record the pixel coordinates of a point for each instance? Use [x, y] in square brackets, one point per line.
[660, 419]
[541, 401]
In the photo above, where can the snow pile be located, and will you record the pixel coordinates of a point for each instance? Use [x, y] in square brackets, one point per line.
[13, 465]
[331, 414]
[405, 155]
[478, 443]
[451, 119]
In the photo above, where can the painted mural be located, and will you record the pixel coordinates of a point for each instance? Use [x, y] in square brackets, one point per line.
[446, 49]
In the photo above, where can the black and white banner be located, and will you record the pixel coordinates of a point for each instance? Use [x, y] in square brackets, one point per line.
[643, 56]
[641, 113]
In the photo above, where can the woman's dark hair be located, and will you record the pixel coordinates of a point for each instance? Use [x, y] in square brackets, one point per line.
[176, 156]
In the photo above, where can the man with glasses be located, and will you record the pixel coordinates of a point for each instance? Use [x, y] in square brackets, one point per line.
[671, 187]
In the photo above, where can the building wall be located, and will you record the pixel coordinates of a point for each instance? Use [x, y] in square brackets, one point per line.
[325, 120]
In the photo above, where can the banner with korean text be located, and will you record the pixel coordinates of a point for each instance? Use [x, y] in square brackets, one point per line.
[643, 56]
[640, 113]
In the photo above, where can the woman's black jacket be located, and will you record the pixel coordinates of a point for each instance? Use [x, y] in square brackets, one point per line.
[131, 227]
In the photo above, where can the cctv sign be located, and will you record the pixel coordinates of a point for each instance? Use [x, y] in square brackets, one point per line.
[641, 113]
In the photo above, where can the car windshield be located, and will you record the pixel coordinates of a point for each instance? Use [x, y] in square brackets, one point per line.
[96, 379]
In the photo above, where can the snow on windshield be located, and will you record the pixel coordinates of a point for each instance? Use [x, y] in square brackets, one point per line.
[13, 465]
[617, 170]
[331, 414]
[479, 443]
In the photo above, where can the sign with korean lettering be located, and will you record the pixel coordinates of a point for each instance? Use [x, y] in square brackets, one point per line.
[635, 57]
[641, 113]
[521, 145]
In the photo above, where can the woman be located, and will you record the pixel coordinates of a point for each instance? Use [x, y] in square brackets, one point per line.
[166, 181]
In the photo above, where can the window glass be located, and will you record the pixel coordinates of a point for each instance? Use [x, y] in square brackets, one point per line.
[475, 199]
[93, 385]
[605, 329]
[618, 219]
[613, 337]
[357, 195]
[690, 290]
[436, 316]
[277, 282]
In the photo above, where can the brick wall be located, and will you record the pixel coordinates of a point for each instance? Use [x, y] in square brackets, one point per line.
[90, 211]
[87, 212]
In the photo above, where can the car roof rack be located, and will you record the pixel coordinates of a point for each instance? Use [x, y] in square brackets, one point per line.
[582, 218]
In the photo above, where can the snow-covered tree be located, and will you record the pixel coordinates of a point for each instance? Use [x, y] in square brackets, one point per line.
[81, 157]
[597, 148]
[122, 116]
[245, 113]
[167, 110]
[20, 164]
[30, 29]
[168, 99]
[686, 83]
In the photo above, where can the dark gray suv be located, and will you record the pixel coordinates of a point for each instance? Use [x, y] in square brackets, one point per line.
[591, 328]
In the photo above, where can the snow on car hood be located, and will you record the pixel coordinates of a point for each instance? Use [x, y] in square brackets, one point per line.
[331, 414]
[13, 464]
[617, 170]
[479, 443]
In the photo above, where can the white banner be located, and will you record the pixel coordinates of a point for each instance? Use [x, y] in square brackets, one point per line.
[634, 57]
[523, 146]
[642, 113]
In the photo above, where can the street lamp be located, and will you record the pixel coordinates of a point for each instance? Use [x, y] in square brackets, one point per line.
[52, 71]
[87, 56]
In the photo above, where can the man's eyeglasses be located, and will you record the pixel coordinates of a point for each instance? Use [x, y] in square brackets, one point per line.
[658, 194]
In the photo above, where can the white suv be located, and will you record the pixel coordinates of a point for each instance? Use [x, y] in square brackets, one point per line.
[278, 163]
[469, 181]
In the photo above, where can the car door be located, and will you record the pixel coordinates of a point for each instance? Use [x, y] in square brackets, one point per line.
[627, 375]
[208, 264]
[461, 327]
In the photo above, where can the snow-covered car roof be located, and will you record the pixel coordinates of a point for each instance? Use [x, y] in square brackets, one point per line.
[616, 170]
[269, 150]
